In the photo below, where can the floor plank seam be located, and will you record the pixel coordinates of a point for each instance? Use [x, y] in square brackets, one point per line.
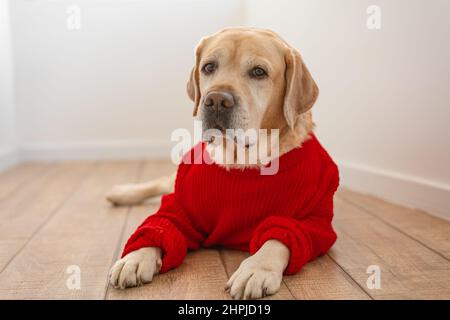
[116, 251]
[392, 226]
[353, 281]
[222, 260]
[122, 233]
[51, 215]
[289, 289]
[368, 249]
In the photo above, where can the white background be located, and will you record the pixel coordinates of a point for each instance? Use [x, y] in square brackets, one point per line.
[116, 87]
[7, 120]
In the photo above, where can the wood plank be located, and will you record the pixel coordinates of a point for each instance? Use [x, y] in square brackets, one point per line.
[322, 278]
[202, 274]
[342, 211]
[15, 177]
[429, 230]
[83, 232]
[29, 206]
[409, 270]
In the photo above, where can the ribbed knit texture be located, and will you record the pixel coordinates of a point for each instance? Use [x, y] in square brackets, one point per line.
[242, 209]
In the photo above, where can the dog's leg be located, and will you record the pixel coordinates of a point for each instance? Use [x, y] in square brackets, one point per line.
[136, 268]
[129, 194]
[260, 274]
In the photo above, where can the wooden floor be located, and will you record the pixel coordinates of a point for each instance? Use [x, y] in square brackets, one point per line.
[53, 216]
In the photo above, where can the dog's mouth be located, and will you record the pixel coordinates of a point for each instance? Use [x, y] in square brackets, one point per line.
[215, 133]
[219, 132]
[246, 143]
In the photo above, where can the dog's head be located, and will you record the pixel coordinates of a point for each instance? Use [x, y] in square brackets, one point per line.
[249, 78]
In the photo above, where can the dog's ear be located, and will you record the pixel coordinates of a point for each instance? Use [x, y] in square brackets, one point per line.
[301, 90]
[193, 89]
[193, 85]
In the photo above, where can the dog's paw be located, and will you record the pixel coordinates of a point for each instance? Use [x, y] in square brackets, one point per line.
[136, 268]
[125, 194]
[254, 279]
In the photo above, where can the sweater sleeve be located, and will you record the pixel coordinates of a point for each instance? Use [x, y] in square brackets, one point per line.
[306, 237]
[169, 229]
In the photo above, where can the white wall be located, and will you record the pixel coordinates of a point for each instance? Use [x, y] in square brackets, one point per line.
[117, 85]
[7, 121]
[384, 106]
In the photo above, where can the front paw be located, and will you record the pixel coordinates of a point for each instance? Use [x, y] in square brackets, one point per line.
[136, 268]
[254, 279]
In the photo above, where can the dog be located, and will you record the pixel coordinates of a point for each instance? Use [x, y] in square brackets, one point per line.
[243, 78]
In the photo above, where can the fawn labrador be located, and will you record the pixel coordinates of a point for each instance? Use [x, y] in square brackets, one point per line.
[272, 88]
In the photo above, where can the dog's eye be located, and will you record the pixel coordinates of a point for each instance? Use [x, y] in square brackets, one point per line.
[258, 73]
[209, 68]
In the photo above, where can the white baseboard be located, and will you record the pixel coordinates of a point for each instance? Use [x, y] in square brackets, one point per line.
[101, 150]
[410, 191]
[8, 159]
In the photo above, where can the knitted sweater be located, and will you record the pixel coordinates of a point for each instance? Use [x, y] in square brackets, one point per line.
[242, 209]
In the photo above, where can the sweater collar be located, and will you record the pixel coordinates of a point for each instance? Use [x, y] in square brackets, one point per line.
[286, 161]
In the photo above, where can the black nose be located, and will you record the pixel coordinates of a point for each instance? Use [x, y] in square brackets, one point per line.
[219, 99]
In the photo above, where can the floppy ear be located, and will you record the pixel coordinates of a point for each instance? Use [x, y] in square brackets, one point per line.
[193, 85]
[301, 90]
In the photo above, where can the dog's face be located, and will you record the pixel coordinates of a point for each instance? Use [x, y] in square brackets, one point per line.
[248, 78]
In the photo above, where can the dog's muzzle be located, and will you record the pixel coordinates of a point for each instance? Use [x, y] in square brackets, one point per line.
[218, 107]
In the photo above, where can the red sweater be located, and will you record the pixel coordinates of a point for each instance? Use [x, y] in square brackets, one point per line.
[242, 209]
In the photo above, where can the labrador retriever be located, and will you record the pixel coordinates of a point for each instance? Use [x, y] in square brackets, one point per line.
[246, 78]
